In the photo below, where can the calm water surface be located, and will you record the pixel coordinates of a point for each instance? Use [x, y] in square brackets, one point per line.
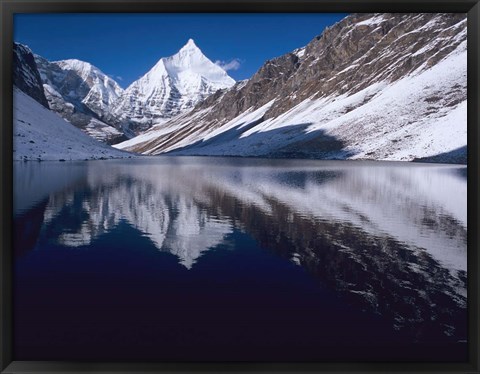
[212, 259]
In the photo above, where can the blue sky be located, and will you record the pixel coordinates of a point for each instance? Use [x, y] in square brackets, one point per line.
[126, 46]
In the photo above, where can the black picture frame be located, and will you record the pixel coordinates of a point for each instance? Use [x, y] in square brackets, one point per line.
[9, 7]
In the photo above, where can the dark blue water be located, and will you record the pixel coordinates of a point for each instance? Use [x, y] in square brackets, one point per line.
[210, 259]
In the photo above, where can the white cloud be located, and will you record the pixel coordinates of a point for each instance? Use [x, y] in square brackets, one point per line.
[233, 64]
[119, 78]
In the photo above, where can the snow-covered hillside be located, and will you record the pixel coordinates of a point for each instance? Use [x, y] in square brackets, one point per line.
[40, 134]
[384, 87]
[175, 84]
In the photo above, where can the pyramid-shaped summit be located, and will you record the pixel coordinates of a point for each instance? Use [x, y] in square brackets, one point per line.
[175, 84]
[190, 46]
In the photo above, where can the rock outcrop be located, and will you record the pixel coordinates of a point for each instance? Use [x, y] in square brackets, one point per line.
[25, 73]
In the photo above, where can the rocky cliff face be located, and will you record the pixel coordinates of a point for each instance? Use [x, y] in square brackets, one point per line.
[25, 73]
[368, 77]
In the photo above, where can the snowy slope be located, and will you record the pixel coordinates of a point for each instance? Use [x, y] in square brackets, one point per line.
[387, 103]
[173, 85]
[40, 134]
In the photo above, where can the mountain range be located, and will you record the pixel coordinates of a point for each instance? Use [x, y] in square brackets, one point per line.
[372, 86]
[94, 102]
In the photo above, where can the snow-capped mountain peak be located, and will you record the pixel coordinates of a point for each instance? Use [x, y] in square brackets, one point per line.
[83, 68]
[103, 88]
[190, 67]
[175, 84]
[189, 55]
[190, 46]
[82, 94]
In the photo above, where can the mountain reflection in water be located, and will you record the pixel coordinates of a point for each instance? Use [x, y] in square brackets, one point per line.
[383, 242]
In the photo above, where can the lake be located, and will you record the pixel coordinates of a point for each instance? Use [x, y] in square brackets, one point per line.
[230, 259]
